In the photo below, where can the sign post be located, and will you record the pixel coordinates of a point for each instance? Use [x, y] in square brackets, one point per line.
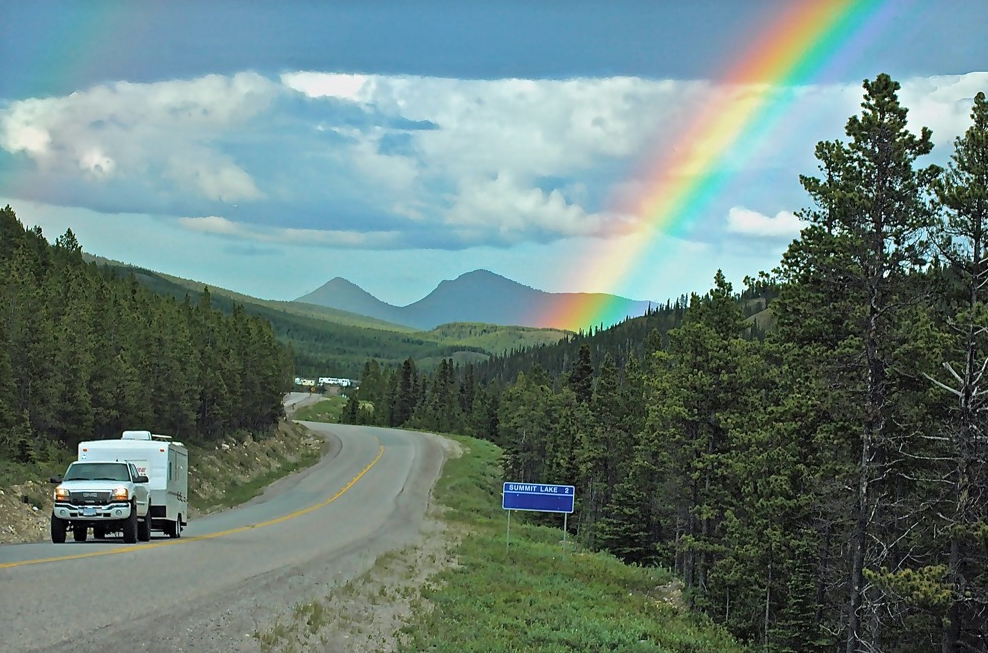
[538, 497]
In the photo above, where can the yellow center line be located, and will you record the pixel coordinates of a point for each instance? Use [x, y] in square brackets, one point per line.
[187, 540]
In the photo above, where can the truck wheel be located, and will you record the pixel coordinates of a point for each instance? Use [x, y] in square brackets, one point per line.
[130, 526]
[57, 530]
[144, 527]
[99, 532]
[79, 533]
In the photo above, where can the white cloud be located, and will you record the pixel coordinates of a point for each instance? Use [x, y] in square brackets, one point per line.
[337, 85]
[212, 224]
[129, 131]
[519, 212]
[220, 226]
[752, 223]
[433, 161]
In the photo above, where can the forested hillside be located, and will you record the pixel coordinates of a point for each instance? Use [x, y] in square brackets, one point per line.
[322, 344]
[821, 487]
[85, 354]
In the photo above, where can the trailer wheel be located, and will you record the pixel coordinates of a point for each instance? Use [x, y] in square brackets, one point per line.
[144, 527]
[79, 533]
[130, 526]
[174, 528]
[58, 527]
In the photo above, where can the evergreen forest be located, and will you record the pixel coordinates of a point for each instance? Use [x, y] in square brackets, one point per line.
[86, 354]
[818, 479]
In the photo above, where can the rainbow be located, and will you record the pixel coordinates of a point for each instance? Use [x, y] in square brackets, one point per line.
[808, 39]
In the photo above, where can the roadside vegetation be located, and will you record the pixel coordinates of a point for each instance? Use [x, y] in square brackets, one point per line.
[531, 595]
[327, 410]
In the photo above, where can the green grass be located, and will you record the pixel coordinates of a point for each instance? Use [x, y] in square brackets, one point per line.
[536, 597]
[327, 410]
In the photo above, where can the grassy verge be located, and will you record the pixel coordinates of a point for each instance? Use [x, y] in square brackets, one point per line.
[536, 597]
[327, 410]
[486, 598]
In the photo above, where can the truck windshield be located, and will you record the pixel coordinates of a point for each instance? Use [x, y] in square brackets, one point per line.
[97, 472]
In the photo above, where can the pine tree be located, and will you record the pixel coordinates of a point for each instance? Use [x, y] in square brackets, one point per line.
[851, 269]
[581, 376]
[964, 244]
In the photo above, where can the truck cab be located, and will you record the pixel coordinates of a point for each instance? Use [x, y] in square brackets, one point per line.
[106, 496]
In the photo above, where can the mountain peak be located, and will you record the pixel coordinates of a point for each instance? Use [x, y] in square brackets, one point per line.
[475, 296]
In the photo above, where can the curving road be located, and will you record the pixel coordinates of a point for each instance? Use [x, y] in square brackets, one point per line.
[230, 573]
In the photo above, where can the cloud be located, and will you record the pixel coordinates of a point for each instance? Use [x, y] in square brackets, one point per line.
[751, 223]
[346, 160]
[219, 226]
[164, 135]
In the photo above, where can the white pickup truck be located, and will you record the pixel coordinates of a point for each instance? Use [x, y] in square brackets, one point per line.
[108, 496]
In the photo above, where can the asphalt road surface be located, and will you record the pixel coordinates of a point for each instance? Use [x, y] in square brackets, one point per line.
[230, 574]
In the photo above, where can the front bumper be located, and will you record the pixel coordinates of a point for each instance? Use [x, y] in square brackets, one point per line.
[108, 512]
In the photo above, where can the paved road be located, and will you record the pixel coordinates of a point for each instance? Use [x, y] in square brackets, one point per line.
[230, 572]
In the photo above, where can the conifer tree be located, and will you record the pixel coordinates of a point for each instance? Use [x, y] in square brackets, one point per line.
[963, 193]
[691, 422]
[581, 376]
[851, 269]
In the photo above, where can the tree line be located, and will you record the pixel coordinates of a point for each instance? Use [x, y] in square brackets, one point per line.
[820, 485]
[85, 354]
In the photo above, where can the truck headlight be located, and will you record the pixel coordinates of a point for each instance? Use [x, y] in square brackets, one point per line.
[121, 494]
[61, 494]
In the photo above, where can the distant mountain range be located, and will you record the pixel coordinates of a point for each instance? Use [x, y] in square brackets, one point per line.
[478, 296]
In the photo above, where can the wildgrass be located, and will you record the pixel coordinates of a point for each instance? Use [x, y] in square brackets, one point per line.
[327, 410]
[533, 596]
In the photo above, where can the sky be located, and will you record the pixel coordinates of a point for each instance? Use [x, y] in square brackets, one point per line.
[624, 147]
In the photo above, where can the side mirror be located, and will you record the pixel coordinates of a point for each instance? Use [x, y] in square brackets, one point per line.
[141, 479]
[55, 479]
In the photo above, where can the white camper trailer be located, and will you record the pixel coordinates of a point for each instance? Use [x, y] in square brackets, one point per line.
[165, 463]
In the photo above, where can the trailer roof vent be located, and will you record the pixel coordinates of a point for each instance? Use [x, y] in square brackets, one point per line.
[136, 435]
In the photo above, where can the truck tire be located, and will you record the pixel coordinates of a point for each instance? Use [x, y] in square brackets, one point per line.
[79, 533]
[99, 532]
[57, 530]
[144, 527]
[130, 527]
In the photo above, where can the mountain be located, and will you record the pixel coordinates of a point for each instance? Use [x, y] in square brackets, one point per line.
[343, 295]
[479, 296]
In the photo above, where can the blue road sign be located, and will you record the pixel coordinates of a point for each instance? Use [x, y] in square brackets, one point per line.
[538, 497]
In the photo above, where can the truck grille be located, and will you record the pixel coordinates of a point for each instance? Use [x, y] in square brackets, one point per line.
[89, 497]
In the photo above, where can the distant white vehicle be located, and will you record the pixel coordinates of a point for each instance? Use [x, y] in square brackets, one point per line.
[165, 463]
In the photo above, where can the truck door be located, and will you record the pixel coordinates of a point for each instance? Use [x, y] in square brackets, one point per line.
[141, 491]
